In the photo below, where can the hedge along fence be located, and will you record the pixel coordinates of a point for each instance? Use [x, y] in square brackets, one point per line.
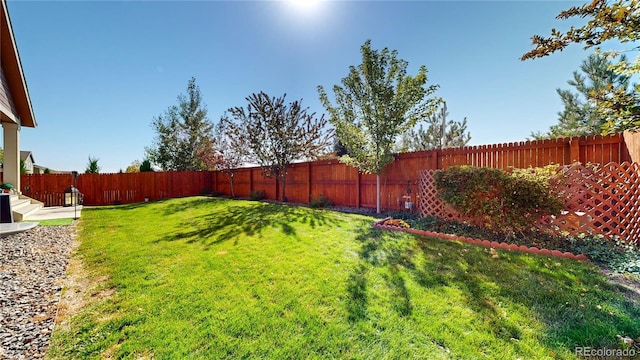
[598, 199]
[343, 185]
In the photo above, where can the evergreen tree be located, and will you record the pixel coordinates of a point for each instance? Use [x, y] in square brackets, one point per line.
[92, 166]
[377, 102]
[580, 115]
[338, 148]
[146, 166]
[439, 134]
[606, 20]
[181, 133]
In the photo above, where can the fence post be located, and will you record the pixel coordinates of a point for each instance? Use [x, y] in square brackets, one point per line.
[357, 188]
[574, 149]
[434, 159]
[309, 181]
[632, 142]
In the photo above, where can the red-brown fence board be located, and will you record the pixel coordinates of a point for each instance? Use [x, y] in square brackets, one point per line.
[241, 183]
[297, 183]
[107, 189]
[47, 188]
[632, 144]
[334, 181]
[341, 184]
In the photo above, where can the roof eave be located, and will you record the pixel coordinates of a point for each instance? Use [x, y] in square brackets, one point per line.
[13, 69]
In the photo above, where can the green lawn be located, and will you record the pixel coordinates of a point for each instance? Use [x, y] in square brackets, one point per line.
[53, 222]
[216, 278]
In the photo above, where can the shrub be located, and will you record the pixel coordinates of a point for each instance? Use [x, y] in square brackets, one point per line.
[503, 202]
[257, 195]
[320, 202]
[404, 215]
[614, 253]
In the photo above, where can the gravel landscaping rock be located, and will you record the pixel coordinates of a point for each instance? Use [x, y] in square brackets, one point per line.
[32, 266]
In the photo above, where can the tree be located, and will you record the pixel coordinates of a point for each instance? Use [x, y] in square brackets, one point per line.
[439, 134]
[146, 166]
[223, 154]
[376, 103]
[607, 20]
[181, 131]
[338, 148]
[92, 166]
[134, 167]
[580, 115]
[275, 134]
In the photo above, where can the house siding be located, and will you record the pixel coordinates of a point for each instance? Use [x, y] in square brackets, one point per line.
[5, 96]
[28, 166]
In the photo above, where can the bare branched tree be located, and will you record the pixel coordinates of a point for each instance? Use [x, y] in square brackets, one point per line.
[276, 134]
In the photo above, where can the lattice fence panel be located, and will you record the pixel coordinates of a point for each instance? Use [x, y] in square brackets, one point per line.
[598, 200]
[430, 203]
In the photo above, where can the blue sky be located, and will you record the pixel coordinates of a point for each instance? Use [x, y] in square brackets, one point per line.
[98, 72]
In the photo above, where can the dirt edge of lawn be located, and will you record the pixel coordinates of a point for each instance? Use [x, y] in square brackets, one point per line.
[80, 289]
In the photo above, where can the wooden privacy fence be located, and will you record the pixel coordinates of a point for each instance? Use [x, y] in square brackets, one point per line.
[343, 185]
[598, 199]
[109, 189]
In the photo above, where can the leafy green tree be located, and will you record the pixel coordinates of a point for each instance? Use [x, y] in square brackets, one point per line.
[376, 103]
[1, 155]
[181, 132]
[606, 20]
[439, 134]
[580, 115]
[146, 166]
[92, 166]
[223, 154]
[134, 167]
[276, 134]
[47, 171]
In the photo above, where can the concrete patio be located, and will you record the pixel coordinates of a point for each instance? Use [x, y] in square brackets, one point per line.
[48, 213]
[56, 212]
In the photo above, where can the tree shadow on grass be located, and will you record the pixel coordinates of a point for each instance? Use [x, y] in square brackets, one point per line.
[379, 249]
[186, 204]
[450, 267]
[357, 294]
[181, 205]
[568, 300]
[574, 304]
[252, 219]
